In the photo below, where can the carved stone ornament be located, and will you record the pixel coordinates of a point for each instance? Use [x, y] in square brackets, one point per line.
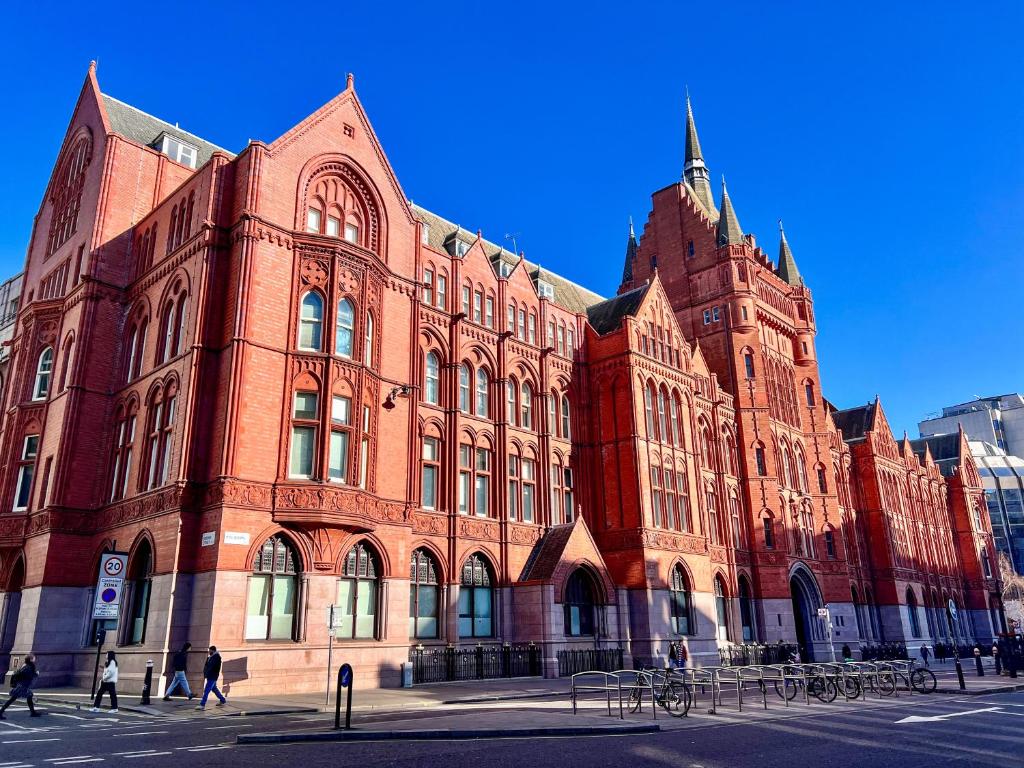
[314, 272]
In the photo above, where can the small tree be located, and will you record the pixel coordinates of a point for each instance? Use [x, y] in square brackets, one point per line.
[1013, 591]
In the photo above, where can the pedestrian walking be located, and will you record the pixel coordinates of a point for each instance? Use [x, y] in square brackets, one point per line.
[179, 665]
[847, 653]
[924, 654]
[22, 682]
[108, 684]
[673, 656]
[211, 672]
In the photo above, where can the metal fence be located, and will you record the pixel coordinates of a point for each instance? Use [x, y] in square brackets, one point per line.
[571, 662]
[755, 653]
[438, 665]
[883, 652]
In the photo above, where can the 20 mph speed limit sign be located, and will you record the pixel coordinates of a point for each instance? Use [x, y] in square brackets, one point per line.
[110, 586]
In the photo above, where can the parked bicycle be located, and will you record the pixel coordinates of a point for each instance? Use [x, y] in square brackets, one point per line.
[910, 677]
[669, 692]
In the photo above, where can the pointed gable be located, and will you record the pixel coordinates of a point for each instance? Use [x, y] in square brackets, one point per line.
[562, 549]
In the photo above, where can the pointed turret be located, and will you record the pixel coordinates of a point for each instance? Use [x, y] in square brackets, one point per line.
[787, 264]
[631, 246]
[695, 173]
[729, 230]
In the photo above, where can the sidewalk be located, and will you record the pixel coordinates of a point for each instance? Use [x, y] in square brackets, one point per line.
[975, 686]
[420, 697]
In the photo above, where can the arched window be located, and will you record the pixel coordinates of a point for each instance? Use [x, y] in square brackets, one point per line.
[566, 431]
[706, 447]
[728, 453]
[580, 613]
[656, 505]
[510, 405]
[44, 370]
[305, 421]
[168, 327]
[762, 468]
[748, 364]
[65, 366]
[681, 602]
[124, 440]
[673, 404]
[649, 411]
[368, 341]
[476, 599]
[915, 622]
[714, 517]
[735, 522]
[483, 381]
[746, 611]
[160, 428]
[432, 379]
[423, 596]
[358, 591]
[787, 467]
[66, 193]
[140, 574]
[986, 564]
[526, 406]
[464, 388]
[801, 470]
[273, 592]
[311, 321]
[343, 329]
[662, 430]
[721, 610]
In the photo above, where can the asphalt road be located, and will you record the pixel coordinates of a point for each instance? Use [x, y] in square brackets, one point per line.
[972, 731]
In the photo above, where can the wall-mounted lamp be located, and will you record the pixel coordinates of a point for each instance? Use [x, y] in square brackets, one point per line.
[401, 391]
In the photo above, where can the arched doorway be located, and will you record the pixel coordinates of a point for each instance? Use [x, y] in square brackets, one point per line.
[806, 602]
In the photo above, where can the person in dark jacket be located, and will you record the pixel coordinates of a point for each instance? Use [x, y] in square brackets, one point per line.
[211, 672]
[22, 681]
[180, 666]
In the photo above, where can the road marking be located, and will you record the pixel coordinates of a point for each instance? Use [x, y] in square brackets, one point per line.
[222, 727]
[66, 757]
[210, 749]
[941, 718]
[73, 717]
[133, 752]
[80, 760]
[25, 741]
[147, 754]
[139, 733]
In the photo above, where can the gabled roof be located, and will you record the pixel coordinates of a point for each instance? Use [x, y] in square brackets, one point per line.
[607, 316]
[547, 553]
[568, 295]
[945, 450]
[143, 128]
[855, 423]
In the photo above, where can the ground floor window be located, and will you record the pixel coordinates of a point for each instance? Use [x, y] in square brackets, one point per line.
[358, 594]
[423, 596]
[476, 599]
[580, 605]
[273, 592]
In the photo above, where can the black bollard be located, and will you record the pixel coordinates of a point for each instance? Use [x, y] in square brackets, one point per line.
[959, 673]
[147, 682]
[998, 662]
[977, 662]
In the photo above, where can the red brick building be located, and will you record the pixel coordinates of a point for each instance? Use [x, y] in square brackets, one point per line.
[278, 385]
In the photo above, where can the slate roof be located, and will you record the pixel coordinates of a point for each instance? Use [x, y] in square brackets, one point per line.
[855, 423]
[607, 316]
[143, 128]
[547, 553]
[568, 295]
[945, 450]
[729, 230]
[787, 264]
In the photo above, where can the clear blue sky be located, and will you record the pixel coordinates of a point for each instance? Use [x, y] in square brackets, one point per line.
[889, 137]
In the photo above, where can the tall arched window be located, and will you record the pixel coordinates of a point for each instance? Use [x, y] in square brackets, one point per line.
[510, 404]
[358, 591]
[580, 609]
[368, 341]
[735, 522]
[44, 371]
[344, 327]
[423, 596]
[787, 467]
[707, 447]
[162, 408]
[483, 381]
[714, 516]
[311, 321]
[124, 440]
[649, 411]
[65, 366]
[464, 388]
[746, 611]
[915, 622]
[476, 599]
[432, 376]
[526, 406]
[680, 602]
[273, 592]
[566, 421]
[168, 327]
[662, 431]
[721, 610]
[140, 574]
[801, 470]
[673, 404]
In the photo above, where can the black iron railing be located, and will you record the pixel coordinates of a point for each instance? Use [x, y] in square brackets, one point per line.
[883, 652]
[439, 665]
[589, 660]
[756, 653]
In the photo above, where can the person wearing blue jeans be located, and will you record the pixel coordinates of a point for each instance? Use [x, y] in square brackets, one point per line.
[180, 667]
[211, 672]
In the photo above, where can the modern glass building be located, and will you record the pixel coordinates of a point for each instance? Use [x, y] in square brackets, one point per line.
[1003, 477]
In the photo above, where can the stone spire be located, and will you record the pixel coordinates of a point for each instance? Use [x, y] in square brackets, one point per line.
[787, 264]
[631, 246]
[729, 230]
[695, 173]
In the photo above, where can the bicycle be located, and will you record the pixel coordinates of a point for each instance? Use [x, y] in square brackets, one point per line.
[914, 678]
[672, 695]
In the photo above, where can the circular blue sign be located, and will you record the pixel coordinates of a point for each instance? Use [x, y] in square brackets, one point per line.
[346, 675]
[109, 595]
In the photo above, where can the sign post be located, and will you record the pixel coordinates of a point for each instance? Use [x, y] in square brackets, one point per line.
[333, 618]
[344, 681]
[824, 614]
[106, 607]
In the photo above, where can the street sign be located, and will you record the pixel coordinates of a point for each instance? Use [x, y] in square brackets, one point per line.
[823, 613]
[110, 585]
[952, 608]
[346, 675]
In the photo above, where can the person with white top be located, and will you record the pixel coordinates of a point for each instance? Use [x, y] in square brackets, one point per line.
[108, 683]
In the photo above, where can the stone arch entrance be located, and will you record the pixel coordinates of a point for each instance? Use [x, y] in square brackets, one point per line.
[10, 607]
[806, 602]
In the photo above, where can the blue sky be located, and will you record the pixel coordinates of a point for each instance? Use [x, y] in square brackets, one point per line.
[889, 137]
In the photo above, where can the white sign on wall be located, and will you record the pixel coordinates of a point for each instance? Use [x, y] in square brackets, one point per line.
[234, 537]
[209, 538]
[110, 586]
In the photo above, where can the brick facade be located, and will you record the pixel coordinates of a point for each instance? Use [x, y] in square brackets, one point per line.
[223, 361]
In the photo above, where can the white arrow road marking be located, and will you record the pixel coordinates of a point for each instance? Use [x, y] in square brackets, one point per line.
[940, 718]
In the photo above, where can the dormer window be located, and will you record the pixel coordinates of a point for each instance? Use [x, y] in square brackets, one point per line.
[461, 248]
[504, 268]
[545, 290]
[178, 150]
[424, 233]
